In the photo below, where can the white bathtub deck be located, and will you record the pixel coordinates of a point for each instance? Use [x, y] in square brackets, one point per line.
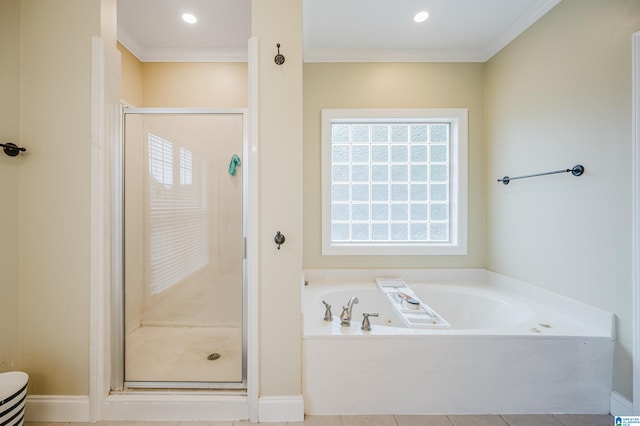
[557, 359]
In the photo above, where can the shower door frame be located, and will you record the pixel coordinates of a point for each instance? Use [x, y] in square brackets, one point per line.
[118, 382]
[620, 402]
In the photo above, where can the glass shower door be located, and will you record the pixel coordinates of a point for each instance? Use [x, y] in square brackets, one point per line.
[183, 249]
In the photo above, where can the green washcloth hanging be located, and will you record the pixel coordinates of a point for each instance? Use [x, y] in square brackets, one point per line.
[235, 162]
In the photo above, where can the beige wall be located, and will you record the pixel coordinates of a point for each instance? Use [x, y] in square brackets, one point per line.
[183, 84]
[131, 84]
[54, 190]
[391, 85]
[194, 85]
[280, 204]
[557, 96]
[9, 182]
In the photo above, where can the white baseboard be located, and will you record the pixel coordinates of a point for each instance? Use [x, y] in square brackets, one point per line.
[58, 408]
[42, 408]
[66, 409]
[171, 407]
[620, 406]
[281, 409]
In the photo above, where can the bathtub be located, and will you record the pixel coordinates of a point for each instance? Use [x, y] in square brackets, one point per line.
[507, 347]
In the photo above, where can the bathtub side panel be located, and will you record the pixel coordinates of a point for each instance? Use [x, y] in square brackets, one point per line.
[456, 374]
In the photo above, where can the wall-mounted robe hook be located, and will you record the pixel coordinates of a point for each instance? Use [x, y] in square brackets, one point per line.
[12, 149]
[279, 59]
[279, 239]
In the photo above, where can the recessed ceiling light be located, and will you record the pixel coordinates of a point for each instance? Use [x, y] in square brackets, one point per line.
[189, 18]
[421, 16]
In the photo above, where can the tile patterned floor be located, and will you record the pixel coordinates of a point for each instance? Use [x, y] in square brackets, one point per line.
[452, 420]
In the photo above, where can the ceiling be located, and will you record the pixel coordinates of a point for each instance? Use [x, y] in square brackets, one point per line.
[333, 30]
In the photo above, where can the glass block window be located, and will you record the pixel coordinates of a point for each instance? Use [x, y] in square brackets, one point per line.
[391, 181]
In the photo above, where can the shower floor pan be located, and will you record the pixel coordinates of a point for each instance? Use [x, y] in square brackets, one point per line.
[182, 355]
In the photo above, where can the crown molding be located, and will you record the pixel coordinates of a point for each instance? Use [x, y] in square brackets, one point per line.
[194, 55]
[393, 55]
[179, 55]
[537, 11]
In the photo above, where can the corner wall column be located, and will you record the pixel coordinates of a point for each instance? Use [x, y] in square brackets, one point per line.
[280, 206]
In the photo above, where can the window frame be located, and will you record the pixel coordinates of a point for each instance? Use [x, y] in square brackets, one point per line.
[458, 180]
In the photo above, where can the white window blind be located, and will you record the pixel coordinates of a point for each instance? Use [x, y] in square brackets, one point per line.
[178, 231]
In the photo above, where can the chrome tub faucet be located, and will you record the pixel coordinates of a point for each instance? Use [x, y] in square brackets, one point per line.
[345, 317]
[327, 312]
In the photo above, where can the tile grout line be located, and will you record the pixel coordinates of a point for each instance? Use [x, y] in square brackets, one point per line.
[559, 420]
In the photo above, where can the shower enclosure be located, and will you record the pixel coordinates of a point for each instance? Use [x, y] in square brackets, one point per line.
[181, 303]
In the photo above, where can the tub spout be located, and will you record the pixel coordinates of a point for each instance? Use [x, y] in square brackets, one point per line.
[345, 317]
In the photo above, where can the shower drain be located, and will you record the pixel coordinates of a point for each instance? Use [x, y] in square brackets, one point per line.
[213, 356]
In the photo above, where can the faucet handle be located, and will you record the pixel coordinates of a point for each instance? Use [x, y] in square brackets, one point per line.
[327, 313]
[366, 325]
